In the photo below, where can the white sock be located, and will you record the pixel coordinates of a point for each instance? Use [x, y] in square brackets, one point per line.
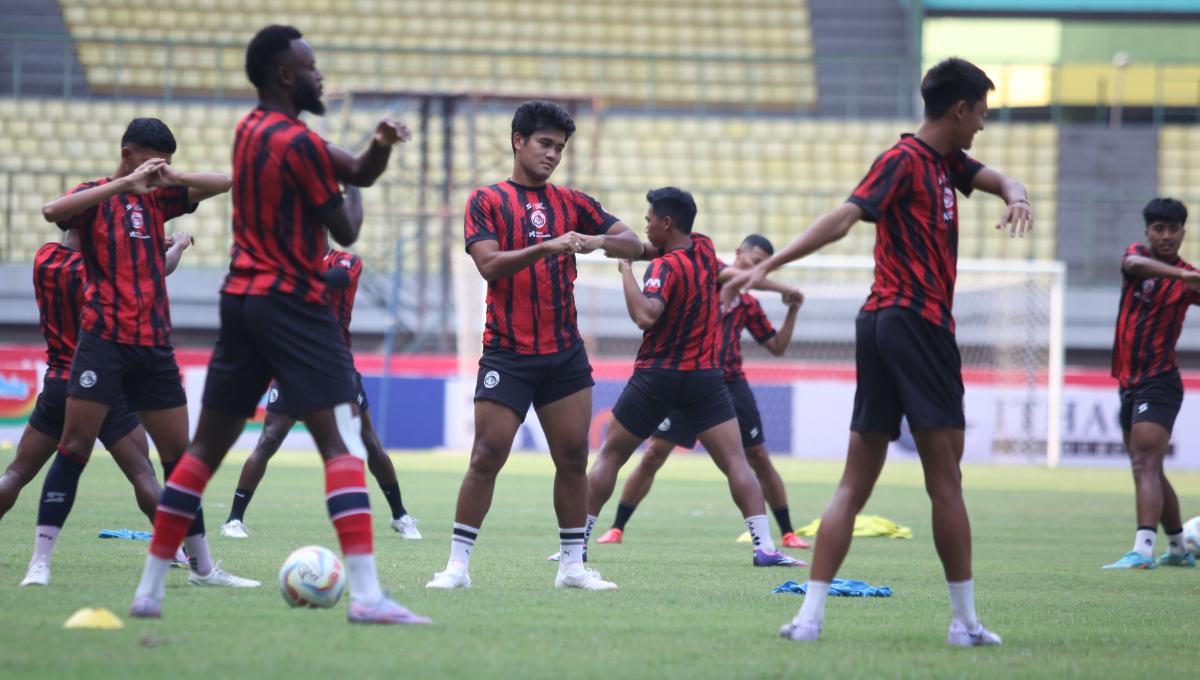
[1175, 544]
[199, 558]
[364, 581]
[462, 544]
[43, 543]
[1143, 541]
[760, 532]
[962, 603]
[813, 609]
[570, 548]
[154, 575]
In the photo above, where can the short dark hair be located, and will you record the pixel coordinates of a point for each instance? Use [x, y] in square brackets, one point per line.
[676, 204]
[264, 48]
[540, 114]
[759, 241]
[1164, 210]
[149, 133]
[950, 81]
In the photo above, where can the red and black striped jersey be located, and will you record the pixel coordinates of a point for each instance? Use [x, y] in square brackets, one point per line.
[685, 337]
[532, 311]
[909, 195]
[744, 313]
[283, 187]
[58, 285]
[123, 244]
[1149, 322]
[341, 300]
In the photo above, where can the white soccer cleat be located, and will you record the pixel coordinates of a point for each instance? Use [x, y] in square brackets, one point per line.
[800, 631]
[234, 529]
[449, 579]
[221, 578]
[583, 579]
[959, 636]
[38, 574]
[406, 526]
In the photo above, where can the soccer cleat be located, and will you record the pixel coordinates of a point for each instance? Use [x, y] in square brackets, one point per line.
[145, 608]
[234, 529]
[406, 526]
[1132, 560]
[959, 636]
[220, 577]
[762, 558]
[611, 536]
[384, 611]
[583, 579]
[791, 540]
[447, 580]
[38, 574]
[1168, 560]
[800, 631]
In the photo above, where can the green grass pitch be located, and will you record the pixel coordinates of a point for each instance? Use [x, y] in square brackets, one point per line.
[689, 605]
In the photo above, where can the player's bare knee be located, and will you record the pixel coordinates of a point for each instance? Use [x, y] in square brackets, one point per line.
[487, 458]
[757, 457]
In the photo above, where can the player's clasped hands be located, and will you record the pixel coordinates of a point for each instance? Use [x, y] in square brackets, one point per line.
[570, 242]
[145, 178]
[180, 237]
[793, 298]
[390, 132]
[1017, 218]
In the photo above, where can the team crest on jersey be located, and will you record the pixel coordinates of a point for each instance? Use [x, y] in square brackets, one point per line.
[136, 221]
[1147, 286]
[538, 220]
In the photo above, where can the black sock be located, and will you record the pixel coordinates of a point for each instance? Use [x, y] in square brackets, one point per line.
[624, 512]
[784, 518]
[392, 493]
[58, 490]
[197, 527]
[241, 498]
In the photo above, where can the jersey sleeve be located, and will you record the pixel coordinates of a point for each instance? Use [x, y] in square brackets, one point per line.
[1132, 249]
[656, 283]
[889, 176]
[478, 223]
[85, 218]
[757, 322]
[311, 169]
[173, 202]
[592, 217]
[963, 169]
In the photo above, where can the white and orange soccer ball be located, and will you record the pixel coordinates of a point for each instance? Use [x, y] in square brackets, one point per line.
[312, 576]
[1191, 536]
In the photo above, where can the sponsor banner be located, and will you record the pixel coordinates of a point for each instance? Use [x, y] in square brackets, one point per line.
[18, 394]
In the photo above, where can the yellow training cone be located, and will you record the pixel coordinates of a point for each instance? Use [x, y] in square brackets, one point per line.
[745, 538]
[95, 619]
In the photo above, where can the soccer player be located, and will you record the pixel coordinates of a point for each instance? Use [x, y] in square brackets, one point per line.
[523, 235]
[342, 271]
[58, 286]
[123, 352]
[275, 317]
[678, 366]
[745, 314]
[908, 363]
[1156, 291]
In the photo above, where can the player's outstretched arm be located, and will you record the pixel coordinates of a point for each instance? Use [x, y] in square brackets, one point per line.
[362, 170]
[344, 222]
[1147, 267]
[1018, 215]
[644, 311]
[494, 263]
[779, 342]
[830, 227]
[619, 242]
[176, 244]
[201, 185]
[140, 181]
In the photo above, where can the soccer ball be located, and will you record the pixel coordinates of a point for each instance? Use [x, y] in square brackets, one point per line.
[312, 576]
[1191, 536]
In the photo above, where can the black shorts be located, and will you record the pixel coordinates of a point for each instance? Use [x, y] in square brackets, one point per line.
[145, 378]
[1156, 400]
[279, 336]
[652, 393]
[278, 404]
[677, 429]
[51, 411]
[518, 380]
[906, 367]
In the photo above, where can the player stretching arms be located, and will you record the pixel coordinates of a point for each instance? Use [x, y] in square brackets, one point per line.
[58, 286]
[746, 313]
[123, 352]
[342, 271]
[523, 235]
[276, 321]
[907, 359]
[1156, 292]
[678, 366]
